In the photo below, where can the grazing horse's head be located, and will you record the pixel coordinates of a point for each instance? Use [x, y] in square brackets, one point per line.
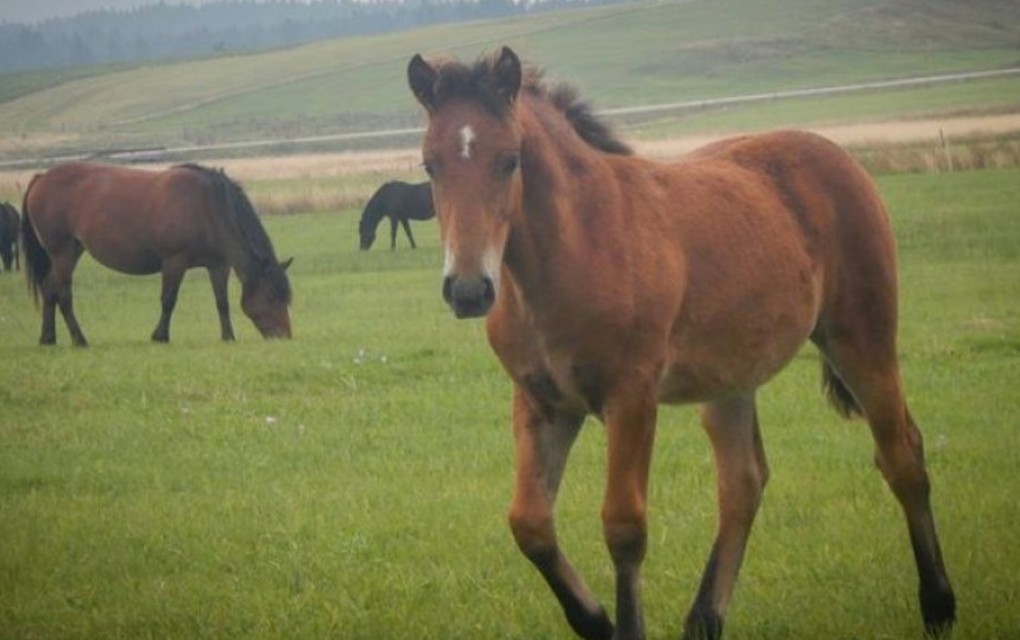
[367, 237]
[265, 296]
[472, 153]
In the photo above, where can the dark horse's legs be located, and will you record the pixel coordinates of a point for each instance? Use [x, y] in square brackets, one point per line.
[173, 274]
[407, 230]
[219, 276]
[56, 290]
[394, 221]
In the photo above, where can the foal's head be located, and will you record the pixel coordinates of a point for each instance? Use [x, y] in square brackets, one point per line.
[472, 153]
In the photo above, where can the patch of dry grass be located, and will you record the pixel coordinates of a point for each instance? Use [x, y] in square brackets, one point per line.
[340, 181]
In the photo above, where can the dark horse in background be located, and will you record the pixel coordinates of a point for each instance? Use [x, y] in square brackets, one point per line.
[400, 201]
[10, 221]
[144, 222]
[613, 283]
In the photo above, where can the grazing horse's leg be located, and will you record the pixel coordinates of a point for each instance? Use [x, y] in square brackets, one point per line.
[173, 273]
[741, 474]
[49, 317]
[407, 230]
[630, 426]
[393, 232]
[543, 444]
[219, 276]
[875, 382]
[57, 293]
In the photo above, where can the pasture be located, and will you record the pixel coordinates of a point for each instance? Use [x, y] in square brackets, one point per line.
[353, 482]
[619, 56]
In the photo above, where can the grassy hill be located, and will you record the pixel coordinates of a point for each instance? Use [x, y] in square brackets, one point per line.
[641, 53]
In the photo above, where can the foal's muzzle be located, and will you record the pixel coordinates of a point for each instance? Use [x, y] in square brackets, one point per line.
[469, 297]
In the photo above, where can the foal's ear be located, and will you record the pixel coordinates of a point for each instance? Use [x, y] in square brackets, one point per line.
[421, 77]
[286, 263]
[508, 74]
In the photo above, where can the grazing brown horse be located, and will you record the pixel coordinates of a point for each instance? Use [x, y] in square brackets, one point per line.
[10, 221]
[613, 283]
[144, 222]
[400, 202]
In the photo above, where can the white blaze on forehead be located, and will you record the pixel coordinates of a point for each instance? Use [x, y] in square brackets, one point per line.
[467, 141]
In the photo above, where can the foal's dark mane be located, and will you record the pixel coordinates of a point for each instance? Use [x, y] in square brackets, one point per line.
[252, 232]
[458, 80]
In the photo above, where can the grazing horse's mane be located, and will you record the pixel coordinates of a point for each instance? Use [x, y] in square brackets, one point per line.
[458, 80]
[252, 231]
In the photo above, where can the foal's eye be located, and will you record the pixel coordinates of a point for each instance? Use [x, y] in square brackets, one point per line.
[509, 163]
[429, 168]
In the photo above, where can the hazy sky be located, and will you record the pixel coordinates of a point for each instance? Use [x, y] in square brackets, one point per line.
[34, 10]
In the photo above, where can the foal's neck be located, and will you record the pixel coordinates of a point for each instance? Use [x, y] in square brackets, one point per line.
[566, 185]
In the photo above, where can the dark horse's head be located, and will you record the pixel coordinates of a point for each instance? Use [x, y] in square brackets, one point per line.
[375, 209]
[366, 232]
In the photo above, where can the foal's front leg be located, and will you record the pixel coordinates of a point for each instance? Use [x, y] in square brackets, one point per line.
[630, 425]
[543, 441]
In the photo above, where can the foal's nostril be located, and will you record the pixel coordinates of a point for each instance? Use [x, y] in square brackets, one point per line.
[469, 297]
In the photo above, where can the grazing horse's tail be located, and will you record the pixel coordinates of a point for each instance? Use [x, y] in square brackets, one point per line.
[839, 394]
[37, 261]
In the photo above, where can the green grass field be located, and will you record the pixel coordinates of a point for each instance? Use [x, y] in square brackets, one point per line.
[352, 482]
[625, 55]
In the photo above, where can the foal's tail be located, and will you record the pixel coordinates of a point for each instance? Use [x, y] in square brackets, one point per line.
[37, 261]
[840, 396]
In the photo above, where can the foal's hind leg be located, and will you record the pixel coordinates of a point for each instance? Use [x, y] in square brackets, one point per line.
[872, 375]
[543, 443]
[741, 474]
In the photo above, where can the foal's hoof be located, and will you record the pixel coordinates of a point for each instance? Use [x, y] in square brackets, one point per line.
[939, 611]
[703, 625]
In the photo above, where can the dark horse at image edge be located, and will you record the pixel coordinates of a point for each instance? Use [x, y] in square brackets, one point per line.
[145, 222]
[10, 222]
[612, 283]
[400, 202]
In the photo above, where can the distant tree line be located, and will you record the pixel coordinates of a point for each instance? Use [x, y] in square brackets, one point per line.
[166, 31]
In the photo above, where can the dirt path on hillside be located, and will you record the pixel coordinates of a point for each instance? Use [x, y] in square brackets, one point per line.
[867, 133]
[405, 162]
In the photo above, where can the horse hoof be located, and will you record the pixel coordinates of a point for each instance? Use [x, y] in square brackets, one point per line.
[939, 612]
[705, 625]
